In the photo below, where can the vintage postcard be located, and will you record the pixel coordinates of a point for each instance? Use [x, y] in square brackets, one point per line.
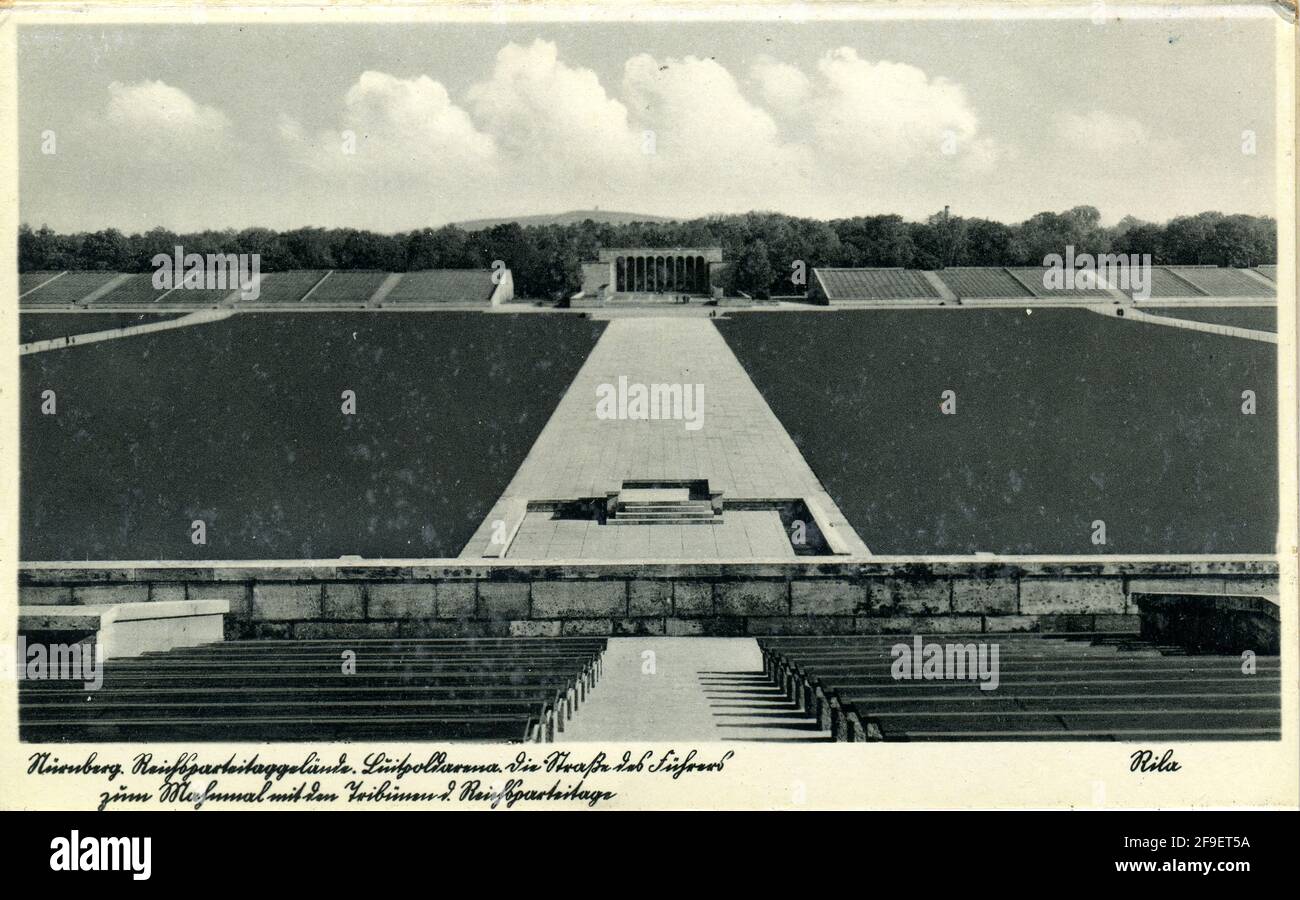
[648, 406]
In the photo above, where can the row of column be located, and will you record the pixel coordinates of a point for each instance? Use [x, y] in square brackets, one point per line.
[657, 274]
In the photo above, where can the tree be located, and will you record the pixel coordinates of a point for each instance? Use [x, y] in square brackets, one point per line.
[751, 272]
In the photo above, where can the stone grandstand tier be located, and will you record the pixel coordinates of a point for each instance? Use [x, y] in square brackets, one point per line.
[295, 289]
[1059, 687]
[68, 289]
[134, 290]
[1218, 282]
[466, 689]
[1035, 279]
[346, 289]
[983, 283]
[288, 287]
[874, 284]
[442, 286]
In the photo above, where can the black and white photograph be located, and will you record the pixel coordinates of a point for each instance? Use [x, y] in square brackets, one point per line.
[855, 389]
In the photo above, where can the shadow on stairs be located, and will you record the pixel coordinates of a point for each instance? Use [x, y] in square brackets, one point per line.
[750, 706]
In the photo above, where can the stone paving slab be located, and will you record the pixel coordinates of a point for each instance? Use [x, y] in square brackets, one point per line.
[744, 534]
[679, 689]
[740, 446]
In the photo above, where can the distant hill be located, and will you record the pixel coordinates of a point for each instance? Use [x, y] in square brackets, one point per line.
[572, 217]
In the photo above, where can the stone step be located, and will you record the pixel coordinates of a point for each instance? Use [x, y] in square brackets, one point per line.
[692, 505]
[706, 513]
[679, 521]
[654, 495]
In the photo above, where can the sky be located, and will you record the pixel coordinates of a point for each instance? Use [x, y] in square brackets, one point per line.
[392, 127]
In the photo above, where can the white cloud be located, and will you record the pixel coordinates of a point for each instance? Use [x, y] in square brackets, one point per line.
[783, 87]
[161, 110]
[886, 114]
[711, 143]
[396, 127]
[533, 101]
[1106, 134]
[675, 136]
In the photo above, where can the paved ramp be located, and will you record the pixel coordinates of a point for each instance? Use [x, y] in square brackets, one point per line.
[694, 688]
[740, 447]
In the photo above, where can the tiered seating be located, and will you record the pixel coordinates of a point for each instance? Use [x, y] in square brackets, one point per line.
[458, 286]
[346, 289]
[30, 281]
[1217, 282]
[1051, 687]
[285, 287]
[67, 290]
[137, 290]
[1032, 278]
[876, 284]
[488, 689]
[1165, 283]
[980, 283]
[199, 297]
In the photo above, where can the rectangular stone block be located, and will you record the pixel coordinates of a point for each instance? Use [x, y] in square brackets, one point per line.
[1210, 584]
[1266, 585]
[457, 599]
[109, 594]
[1068, 596]
[594, 627]
[237, 594]
[1055, 623]
[318, 631]
[535, 628]
[753, 598]
[402, 601]
[162, 592]
[579, 599]
[258, 631]
[458, 628]
[683, 627]
[692, 598]
[343, 601]
[1128, 624]
[827, 597]
[1010, 623]
[893, 596]
[649, 598]
[287, 601]
[919, 624]
[799, 625]
[43, 595]
[649, 625]
[985, 595]
[503, 599]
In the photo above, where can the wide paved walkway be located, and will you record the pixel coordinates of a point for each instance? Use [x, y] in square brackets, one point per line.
[740, 447]
[686, 689]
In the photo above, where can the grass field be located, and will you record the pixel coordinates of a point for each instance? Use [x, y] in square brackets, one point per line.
[43, 326]
[1063, 417]
[1259, 318]
[238, 423]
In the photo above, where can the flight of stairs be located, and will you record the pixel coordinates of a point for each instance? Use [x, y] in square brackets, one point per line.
[671, 506]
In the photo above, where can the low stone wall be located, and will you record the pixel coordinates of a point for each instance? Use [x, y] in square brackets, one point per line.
[450, 598]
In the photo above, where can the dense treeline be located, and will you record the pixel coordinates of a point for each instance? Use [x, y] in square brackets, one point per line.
[764, 247]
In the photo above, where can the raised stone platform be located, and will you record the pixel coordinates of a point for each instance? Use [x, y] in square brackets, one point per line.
[124, 630]
[456, 597]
